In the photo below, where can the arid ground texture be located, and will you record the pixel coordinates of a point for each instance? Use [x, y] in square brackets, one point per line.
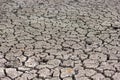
[59, 39]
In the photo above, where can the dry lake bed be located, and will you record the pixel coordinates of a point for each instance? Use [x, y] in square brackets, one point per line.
[59, 39]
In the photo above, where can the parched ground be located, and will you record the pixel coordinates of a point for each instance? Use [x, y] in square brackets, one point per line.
[59, 39]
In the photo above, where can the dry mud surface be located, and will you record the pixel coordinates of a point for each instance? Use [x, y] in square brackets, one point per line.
[59, 39]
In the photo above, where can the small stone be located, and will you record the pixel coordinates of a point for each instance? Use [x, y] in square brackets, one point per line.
[13, 73]
[68, 63]
[22, 58]
[54, 62]
[65, 72]
[28, 76]
[116, 76]
[91, 63]
[28, 53]
[56, 72]
[98, 56]
[80, 74]
[108, 73]
[31, 62]
[2, 61]
[89, 72]
[44, 72]
[2, 74]
[106, 66]
[98, 76]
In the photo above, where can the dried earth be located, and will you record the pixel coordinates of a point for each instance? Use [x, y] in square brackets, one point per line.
[59, 39]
